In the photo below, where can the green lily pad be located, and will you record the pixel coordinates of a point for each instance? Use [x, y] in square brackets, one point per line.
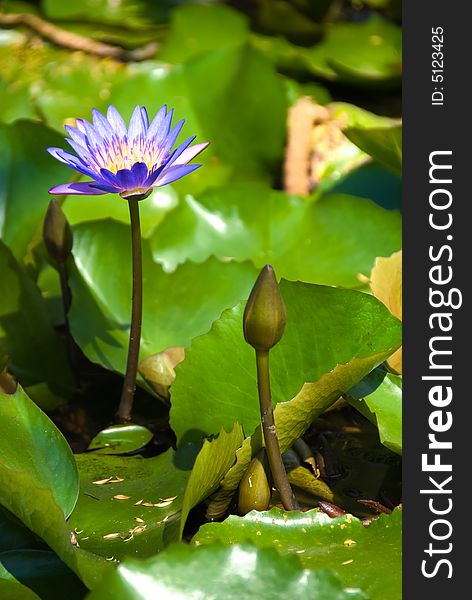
[41, 572]
[130, 14]
[354, 116]
[32, 444]
[120, 438]
[40, 464]
[384, 144]
[37, 356]
[384, 408]
[333, 338]
[240, 571]
[26, 174]
[12, 588]
[368, 558]
[198, 29]
[67, 89]
[177, 306]
[130, 506]
[330, 241]
[212, 463]
[111, 206]
[367, 53]
[15, 102]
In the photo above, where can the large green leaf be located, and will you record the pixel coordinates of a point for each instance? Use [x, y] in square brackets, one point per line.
[12, 589]
[328, 242]
[15, 102]
[40, 571]
[132, 13]
[35, 459]
[351, 115]
[333, 338]
[384, 144]
[177, 306]
[32, 445]
[363, 54]
[288, 18]
[26, 174]
[37, 356]
[368, 558]
[89, 208]
[376, 135]
[384, 408]
[233, 573]
[130, 506]
[212, 463]
[198, 29]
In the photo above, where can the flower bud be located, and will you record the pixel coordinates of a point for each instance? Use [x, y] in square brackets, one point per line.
[265, 314]
[57, 234]
[254, 489]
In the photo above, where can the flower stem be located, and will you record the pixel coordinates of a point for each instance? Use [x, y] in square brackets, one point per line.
[276, 464]
[129, 386]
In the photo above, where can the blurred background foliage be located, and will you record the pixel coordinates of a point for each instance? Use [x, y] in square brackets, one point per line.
[301, 102]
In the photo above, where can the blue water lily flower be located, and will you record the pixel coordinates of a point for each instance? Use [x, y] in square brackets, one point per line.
[126, 161]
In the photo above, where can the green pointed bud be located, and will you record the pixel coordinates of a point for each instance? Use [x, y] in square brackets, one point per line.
[254, 489]
[265, 314]
[57, 234]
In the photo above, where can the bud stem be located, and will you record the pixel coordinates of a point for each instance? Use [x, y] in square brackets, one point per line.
[276, 464]
[129, 386]
[66, 302]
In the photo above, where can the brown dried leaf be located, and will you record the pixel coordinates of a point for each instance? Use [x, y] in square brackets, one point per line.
[386, 285]
[102, 481]
[158, 369]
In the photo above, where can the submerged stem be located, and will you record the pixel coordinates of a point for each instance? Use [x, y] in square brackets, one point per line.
[127, 395]
[270, 434]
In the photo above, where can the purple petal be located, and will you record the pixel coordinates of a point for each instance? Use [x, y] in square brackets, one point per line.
[188, 154]
[94, 138]
[116, 121]
[173, 135]
[157, 122]
[102, 185]
[152, 177]
[163, 130]
[84, 153]
[145, 117]
[76, 135]
[174, 173]
[140, 172]
[136, 125]
[102, 125]
[127, 180]
[81, 187]
[79, 123]
[109, 178]
[178, 151]
[70, 160]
